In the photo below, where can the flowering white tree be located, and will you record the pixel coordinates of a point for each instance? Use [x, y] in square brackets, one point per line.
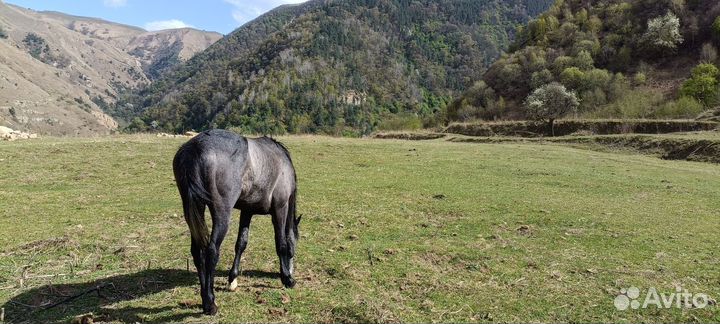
[663, 33]
[550, 102]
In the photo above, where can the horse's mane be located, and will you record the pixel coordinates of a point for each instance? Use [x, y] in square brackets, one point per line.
[282, 147]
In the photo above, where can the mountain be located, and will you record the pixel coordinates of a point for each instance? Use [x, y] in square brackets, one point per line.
[58, 72]
[623, 59]
[334, 66]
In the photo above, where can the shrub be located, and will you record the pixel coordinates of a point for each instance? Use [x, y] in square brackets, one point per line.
[639, 79]
[401, 122]
[618, 87]
[592, 99]
[3, 34]
[684, 107]
[638, 103]
[550, 102]
[708, 53]
[36, 45]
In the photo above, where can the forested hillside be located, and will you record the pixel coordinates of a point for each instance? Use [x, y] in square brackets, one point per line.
[623, 58]
[334, 66]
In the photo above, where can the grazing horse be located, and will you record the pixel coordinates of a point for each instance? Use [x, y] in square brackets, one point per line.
[222, 170]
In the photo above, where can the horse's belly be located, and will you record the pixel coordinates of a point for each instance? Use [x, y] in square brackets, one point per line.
[255, 200]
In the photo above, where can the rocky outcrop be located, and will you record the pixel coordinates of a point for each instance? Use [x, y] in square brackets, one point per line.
[8, 134]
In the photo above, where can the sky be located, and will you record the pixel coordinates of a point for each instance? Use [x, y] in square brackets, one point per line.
[222, 16]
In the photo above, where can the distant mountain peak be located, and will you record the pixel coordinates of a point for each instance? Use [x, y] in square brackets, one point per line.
[61, 71]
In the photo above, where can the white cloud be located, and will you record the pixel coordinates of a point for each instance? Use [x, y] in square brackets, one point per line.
[166, 24]
[246, 10]
[115, 3]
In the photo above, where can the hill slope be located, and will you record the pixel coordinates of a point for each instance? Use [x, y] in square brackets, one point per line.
[624, 59]
[58, 71]
[332, 66]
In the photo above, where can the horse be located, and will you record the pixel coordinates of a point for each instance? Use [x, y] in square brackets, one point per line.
[225, 171]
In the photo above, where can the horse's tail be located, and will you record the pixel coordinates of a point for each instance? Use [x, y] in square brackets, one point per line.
[195, 199]
[292, 211]
[195, 217]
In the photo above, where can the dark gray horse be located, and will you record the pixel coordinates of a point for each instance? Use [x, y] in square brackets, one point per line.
[222, 171]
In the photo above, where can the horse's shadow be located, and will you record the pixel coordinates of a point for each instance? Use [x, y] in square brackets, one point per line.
[58, 303]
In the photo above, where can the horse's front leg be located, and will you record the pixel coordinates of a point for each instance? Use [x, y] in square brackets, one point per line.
[240, 245]
[284, 244]
[220, 219]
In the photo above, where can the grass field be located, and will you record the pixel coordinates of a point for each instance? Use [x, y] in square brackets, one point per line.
[393, 231]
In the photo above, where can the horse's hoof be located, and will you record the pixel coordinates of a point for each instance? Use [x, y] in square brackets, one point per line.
[288, 282]
[212, 311]
[233, 285]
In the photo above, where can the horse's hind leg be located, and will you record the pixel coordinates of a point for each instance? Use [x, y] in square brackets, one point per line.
[240, 245]
[197, 253]
[221, 214]
[284, 244]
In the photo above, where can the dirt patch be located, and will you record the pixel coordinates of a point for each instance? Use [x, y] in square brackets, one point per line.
[57, 242]
[409, 136]
[581, 127]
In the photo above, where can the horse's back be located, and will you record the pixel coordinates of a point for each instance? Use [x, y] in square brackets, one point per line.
[214, 160]
[258, 170]
[270, 176]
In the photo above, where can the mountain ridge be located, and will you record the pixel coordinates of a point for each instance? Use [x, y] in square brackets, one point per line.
[336, 66]
[59, 72]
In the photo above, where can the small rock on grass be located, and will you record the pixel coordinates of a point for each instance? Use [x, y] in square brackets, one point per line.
[556, 275]
[391, 251]
[523, 230]
[277, 311]
[83, 319]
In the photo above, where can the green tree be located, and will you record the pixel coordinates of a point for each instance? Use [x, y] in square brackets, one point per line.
[716, 28]
[137, 125]
[584, 60]
[663, 33]
[540, 78]
[573, 78]
[594, 24]
[561, 63]
[550, 102]
[703, 84]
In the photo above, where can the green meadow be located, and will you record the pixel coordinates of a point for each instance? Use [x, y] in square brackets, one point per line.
[392, 231]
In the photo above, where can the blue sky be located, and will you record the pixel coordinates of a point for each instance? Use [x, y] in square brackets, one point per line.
[222, 16]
